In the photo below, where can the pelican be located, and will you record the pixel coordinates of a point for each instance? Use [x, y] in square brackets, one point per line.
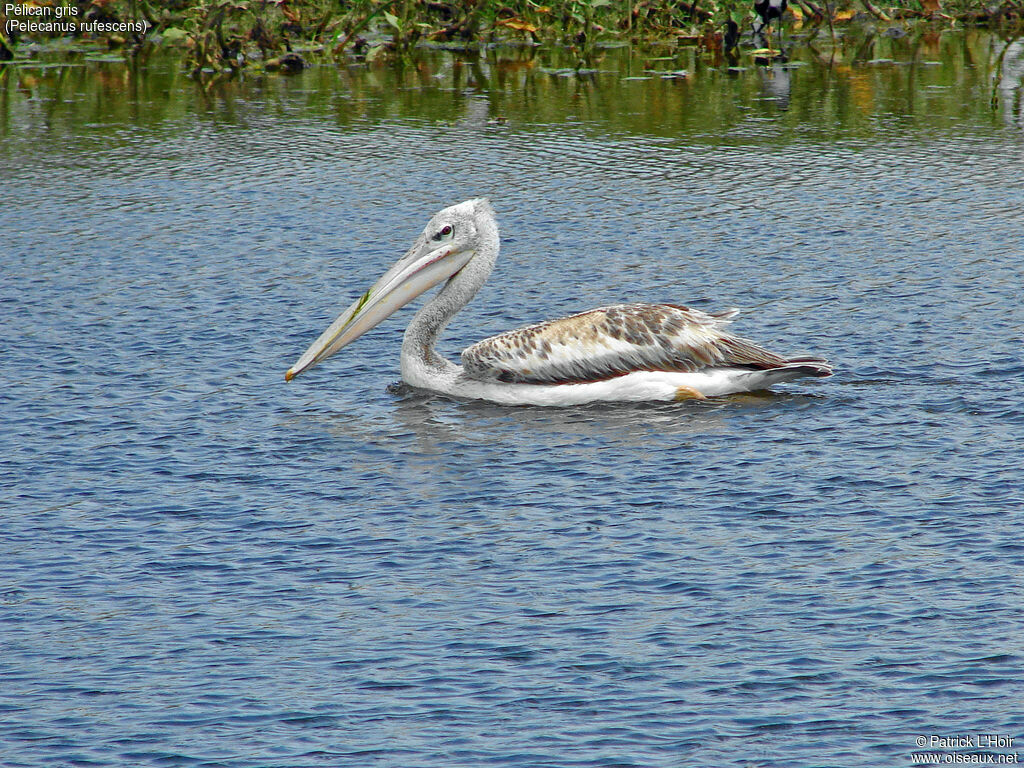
[625, 352]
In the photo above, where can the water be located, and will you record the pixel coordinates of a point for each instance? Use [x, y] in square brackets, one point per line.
[204, 566]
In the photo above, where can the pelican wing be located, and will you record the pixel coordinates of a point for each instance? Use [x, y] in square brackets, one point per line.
[613, 341]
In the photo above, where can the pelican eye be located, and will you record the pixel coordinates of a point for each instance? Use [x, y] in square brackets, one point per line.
[447, 230]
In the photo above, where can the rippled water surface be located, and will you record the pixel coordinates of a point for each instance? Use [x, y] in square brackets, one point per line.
[203, 566]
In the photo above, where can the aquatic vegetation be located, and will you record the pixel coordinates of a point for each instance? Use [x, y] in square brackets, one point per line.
[226, 35]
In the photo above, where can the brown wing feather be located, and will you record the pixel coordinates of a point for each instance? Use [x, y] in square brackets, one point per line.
[613, 341]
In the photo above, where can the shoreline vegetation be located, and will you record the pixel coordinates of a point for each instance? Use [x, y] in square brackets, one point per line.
[226, 36]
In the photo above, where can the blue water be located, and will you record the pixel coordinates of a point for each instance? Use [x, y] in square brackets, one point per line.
[203, 566]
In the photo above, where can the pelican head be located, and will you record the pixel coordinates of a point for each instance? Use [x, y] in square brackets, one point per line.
[447, 244]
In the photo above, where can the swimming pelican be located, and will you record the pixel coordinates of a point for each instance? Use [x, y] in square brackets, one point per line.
[626, 352]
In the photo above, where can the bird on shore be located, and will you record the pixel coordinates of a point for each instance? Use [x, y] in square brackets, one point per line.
[624, 352]
[769, 11]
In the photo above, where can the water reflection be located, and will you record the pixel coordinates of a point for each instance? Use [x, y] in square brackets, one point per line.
[777, 83]
[435, 419]
[430, 421]
[936, 77]
[1011, 83]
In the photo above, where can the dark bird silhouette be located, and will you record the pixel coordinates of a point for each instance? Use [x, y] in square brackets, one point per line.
[769, 10]
[731, 38]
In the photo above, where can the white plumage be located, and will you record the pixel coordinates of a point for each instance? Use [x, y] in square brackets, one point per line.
[625, 352]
